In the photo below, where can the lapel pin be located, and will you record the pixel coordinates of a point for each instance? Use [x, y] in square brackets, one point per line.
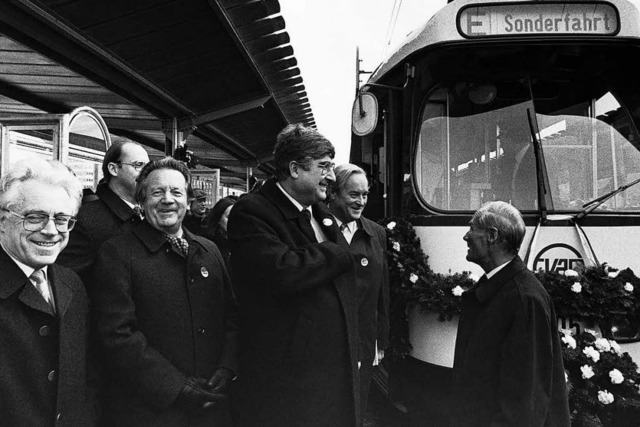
[204, 272]
[327, 222]
[364, 262]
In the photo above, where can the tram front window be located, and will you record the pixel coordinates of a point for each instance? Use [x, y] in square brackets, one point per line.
[469, 153]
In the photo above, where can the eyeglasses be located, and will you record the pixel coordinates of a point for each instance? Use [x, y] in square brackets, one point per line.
[326, 167]
[38, 221]
[136, 165]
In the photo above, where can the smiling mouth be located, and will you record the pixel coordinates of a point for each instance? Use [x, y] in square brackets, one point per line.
[46, 244]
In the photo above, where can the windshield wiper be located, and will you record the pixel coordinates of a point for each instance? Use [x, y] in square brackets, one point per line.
[595, 203]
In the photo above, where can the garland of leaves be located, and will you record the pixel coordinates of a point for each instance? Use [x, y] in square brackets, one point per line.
[601, 380]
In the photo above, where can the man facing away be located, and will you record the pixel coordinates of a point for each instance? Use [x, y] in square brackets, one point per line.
[112, 213]
[295, 279]
[165, 314]
[368, 245]
[44, 310]
[508, 366]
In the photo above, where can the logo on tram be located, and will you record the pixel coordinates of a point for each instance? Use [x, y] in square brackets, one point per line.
[557, 257]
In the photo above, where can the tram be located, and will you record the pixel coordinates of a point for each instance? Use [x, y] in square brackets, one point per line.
[536, 103]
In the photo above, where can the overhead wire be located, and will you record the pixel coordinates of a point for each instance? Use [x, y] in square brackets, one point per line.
[395, 12]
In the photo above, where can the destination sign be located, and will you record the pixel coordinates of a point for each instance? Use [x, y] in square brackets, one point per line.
[518, 19]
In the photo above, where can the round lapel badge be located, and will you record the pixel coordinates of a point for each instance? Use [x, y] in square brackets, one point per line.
[204, 272]
[364, 262]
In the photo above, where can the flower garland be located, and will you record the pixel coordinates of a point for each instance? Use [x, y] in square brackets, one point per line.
[601, 380]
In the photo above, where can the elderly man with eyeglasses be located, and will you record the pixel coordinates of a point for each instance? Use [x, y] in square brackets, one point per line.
[295, 280]
[43, 307]
[113, 213]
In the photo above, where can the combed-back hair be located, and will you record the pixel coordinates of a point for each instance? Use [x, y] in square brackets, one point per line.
[504, 218]
[113, 155]
[343, 172]
[164, 163]
[300, 144]
[49, 172]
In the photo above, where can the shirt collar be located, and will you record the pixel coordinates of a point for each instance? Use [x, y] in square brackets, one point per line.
[495, 270]
[24, 267]
[294, 201]
[351, 226]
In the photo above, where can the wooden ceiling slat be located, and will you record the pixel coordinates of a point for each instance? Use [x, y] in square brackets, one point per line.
[272, 55]
[261, 28]
[268, 42]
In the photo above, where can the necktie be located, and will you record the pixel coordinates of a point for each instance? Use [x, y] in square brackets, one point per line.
[305, 223]
[343, 227]
[180, 244]
[40, 282]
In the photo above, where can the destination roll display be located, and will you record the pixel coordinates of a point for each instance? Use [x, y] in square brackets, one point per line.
[531, 19]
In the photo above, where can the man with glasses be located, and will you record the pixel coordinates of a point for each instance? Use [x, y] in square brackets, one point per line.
[43, 306]
[295, 282]
[113, 213]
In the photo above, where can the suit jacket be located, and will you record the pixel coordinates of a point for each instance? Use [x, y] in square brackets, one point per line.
[518, 181]
[508, 366]
[161, 318]
[98, 221]
[43, 356]
[298, 315]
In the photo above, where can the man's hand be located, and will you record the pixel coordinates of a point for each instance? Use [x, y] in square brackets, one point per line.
[196, 394]
[220, 380]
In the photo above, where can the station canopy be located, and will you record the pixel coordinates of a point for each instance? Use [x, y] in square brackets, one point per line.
[221, 71]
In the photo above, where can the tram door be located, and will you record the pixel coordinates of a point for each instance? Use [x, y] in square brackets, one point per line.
[78, 139]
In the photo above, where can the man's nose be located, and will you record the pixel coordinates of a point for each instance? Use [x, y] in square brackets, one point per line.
[49, 227]
[331, 175]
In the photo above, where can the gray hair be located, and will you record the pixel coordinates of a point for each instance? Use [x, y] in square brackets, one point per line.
[50, 172]
[343, 173]
[506, 219]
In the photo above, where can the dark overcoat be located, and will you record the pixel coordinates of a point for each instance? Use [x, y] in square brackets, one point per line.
[161, 318]
[43, 356]
[508, 366]
[298, 315]
[98, 221]
[369, 249]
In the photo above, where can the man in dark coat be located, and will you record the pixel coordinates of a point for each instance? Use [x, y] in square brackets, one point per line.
[194, 219]
[508, 366]
[368, 243]
[165, 314]
[112, 214]
[296, 286]
[44, 311]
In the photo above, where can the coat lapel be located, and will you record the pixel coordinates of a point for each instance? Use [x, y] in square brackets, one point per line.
[63, 294]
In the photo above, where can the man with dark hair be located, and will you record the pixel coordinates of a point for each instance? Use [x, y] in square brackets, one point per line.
[113, 213]
[508, 366]
[165, 314]
[44, 310]
[368, 243]
[295, 279]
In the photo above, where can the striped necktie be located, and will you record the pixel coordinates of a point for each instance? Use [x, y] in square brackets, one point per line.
[180, 244]
[40, 282]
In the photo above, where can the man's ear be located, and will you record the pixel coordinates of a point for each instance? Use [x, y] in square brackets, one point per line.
[294, 169]
[492, 235]
[112, 167]
[3, 221]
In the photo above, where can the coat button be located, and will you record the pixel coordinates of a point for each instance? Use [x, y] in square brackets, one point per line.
[44, 331]
[201, 331]
[58, 418]
[52, 376]
[191, 280]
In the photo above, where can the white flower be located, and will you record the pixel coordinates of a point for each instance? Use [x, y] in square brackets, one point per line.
[474, 277]
[592, 353]
[590, 331]
[413, 278]
[457, 291]
[587, 371]
[576, 287]
[571, 273]
[616, 376]
[615, 347]
[613, 274]
[391, 225]
[605, 397]
[327, 222]
[569, 341]
[628, 287]
[396, 246]
[566, 377]
[602, 344]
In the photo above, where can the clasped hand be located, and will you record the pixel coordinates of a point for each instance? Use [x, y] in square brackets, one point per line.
[203, 393]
